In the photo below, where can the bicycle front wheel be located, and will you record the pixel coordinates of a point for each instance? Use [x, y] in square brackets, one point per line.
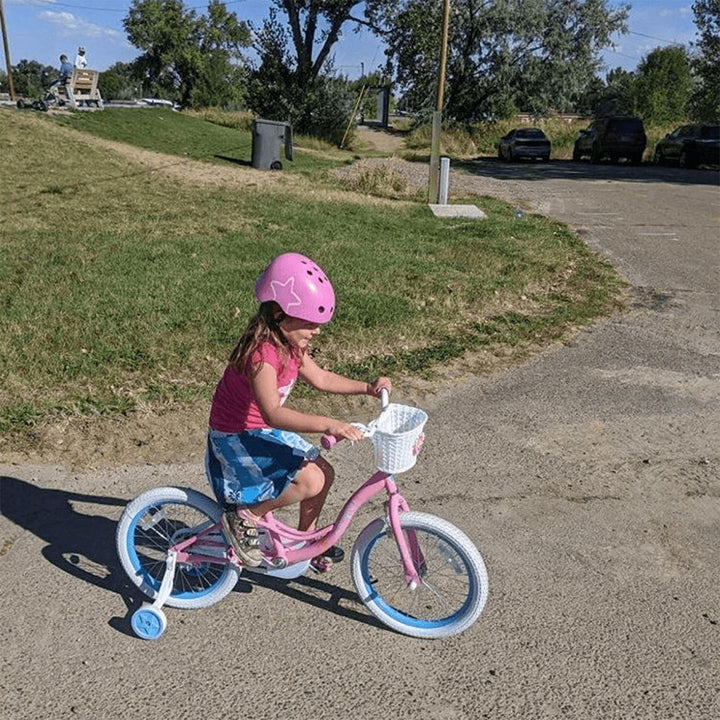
[453, 579]
[155, 521]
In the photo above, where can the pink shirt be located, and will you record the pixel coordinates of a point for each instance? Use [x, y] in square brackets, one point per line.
[234, 408]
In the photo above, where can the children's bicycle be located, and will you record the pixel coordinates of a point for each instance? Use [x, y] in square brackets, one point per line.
[415, 572]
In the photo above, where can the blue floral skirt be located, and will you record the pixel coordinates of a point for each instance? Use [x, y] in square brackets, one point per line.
[256, 465]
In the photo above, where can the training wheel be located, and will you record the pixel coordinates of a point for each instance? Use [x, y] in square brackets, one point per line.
[148, 622]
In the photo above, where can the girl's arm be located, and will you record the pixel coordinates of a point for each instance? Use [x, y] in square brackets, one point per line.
[267, 396]
[331, 382]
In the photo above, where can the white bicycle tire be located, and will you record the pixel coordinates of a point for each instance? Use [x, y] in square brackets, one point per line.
[227, 577]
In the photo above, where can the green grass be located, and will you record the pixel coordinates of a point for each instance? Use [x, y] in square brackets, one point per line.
[121, 287]
[210, 136]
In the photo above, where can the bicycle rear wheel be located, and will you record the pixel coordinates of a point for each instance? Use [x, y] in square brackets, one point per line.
[155, 521]
[453, 587]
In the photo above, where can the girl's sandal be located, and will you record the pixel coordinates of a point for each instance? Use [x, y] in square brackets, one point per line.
[323, 562]
[243, 536]
[334, 554]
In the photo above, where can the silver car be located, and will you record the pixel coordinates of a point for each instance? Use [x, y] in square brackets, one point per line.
[530, 143]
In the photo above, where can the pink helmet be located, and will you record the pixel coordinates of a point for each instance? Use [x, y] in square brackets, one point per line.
[299, 287]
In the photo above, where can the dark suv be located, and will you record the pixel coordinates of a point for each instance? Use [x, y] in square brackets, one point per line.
[690, 146]
[612, 137]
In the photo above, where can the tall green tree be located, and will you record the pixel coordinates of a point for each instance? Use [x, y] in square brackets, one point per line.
[533, 55]
[314, 28]
[294, 78]
[314, 100]
[194, 59]
[663, 85]
[31, 78]
[618, 96]
[705, 102]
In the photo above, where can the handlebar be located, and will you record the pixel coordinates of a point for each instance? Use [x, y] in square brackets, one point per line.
[329, 441]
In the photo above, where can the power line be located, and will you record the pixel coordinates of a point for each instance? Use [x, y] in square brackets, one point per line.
[629, 57]
[652, 37]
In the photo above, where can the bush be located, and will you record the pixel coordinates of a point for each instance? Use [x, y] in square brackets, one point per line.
[454, 141]
[320, 109]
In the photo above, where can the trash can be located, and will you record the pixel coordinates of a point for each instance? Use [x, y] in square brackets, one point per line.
[270, 140]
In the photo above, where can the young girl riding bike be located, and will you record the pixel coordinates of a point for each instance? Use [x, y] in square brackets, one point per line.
[256, 462]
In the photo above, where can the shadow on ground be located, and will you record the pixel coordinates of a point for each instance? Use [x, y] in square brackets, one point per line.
[584, 170]
[83, 545]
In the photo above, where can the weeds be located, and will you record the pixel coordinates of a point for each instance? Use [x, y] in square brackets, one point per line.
[381, 181]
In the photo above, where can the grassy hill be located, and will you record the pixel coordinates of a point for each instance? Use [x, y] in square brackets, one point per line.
[131, 243]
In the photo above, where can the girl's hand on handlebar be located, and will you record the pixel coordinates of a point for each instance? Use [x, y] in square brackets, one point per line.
[378, 385]
[344, 431]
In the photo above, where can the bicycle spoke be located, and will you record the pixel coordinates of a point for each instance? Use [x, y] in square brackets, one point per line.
[159, 530]
[443, 584]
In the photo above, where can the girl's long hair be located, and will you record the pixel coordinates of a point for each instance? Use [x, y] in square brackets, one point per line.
[264, 327]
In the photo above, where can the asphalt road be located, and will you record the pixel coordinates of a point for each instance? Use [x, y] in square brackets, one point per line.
[589, 479]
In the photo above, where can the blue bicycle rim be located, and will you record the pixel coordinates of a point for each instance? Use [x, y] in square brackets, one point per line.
[409, 620]
[140, 570]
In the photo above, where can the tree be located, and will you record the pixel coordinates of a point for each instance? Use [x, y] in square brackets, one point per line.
[195, 59]
[295, 78]
[532, 54]
[663, 85]
[118, 82]
[616, 95]
[31, 78]
[705, 102]
[316, 104]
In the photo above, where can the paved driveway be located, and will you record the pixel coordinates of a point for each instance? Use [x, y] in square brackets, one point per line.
[589, 478]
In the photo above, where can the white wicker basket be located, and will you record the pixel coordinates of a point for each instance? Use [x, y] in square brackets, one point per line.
[397, 437]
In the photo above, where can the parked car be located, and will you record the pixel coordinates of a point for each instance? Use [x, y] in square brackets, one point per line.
[690, 146]
[524, 143]
[612, 137]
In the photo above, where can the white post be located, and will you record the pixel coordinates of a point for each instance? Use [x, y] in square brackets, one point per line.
[444, 180]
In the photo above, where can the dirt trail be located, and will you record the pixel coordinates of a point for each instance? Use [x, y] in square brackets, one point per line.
[379, 139]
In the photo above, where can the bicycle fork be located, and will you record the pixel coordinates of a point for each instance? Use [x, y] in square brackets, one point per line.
[410, 553]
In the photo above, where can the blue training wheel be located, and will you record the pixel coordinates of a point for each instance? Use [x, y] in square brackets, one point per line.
[148, 622]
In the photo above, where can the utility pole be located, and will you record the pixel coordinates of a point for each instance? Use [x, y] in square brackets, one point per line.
[437, 115]
[6, 44]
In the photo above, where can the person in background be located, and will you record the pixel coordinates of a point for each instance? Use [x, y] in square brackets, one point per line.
[66, 69]
[81, 60]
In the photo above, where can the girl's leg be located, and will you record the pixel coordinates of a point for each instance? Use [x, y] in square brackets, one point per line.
[311, 507]
[310, 488]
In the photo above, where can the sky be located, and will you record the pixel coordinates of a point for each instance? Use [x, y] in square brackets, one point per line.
[44, 29]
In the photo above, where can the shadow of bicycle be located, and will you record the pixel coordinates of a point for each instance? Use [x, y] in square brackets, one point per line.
[315, 592]
[83, 545]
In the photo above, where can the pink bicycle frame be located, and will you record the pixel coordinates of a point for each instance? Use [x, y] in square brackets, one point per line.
[318, 541]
